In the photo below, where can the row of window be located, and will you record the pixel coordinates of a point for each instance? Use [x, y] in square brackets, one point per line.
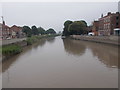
[5, 32]
[107, 26]
[107, 19]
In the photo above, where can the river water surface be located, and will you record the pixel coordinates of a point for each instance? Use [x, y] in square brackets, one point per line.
[57, 63]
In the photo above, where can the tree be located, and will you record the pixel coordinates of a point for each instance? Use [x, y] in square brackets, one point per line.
[41, 30]
[77, 28]
[66, 26]
[50, 31]
[27, 31]
[35, 30]
[84, 22]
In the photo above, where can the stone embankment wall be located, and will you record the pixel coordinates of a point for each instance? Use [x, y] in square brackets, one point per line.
[20, 43]
[115, 40]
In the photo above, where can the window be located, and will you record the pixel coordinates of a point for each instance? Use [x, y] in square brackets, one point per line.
[117, 18]
[117, 24]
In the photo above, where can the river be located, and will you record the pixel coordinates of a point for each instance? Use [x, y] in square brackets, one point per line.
[57, 63]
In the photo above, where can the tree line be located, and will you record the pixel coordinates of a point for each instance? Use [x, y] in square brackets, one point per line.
[37, 31]
[75, 28]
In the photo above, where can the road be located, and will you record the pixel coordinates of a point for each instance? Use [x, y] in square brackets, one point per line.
[5, 42]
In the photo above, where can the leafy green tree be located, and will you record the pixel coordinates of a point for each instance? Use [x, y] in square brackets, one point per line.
[35, 30]
[66, 26]
[50, 31]
[41, 30]
[27, 31]
[84, 22]
[77, 28]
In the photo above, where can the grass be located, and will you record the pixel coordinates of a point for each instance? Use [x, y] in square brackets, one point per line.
[11, 49]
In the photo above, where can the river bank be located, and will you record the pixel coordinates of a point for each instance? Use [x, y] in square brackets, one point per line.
[113, 40]
[12, 49]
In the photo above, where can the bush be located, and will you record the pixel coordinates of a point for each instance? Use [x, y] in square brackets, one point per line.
[11, 49]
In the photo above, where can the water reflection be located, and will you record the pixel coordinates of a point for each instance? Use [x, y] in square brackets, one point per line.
[74, 47]
[7, 63]
[50, 40]
[40, 43]
[107, 54]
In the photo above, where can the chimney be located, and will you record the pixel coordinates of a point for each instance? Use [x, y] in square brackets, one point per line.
[117, 13]
[3, 22]
[101, 15]
[109, 13]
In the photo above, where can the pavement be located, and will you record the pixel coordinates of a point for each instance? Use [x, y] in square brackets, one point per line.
[6, 42]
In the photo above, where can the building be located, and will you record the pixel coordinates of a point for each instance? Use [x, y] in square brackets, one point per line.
[108, 23]
[89, 28]
[16, 31]
[95, 27]
[5, 31]
[0, 31]
[10, 32]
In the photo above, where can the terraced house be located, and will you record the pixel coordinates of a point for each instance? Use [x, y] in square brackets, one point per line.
[16, 31]
[10, 32]
[109, 24]
[4, 31]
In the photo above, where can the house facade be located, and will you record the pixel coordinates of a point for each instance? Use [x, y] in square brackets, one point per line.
[95, 27]
[10, 32]
[16, 31]
[0, 31]
[108, 23]
[5, 31]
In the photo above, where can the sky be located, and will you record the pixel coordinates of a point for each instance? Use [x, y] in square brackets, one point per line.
[53, 14]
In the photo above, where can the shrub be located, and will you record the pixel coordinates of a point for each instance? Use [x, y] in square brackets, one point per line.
[11, 49]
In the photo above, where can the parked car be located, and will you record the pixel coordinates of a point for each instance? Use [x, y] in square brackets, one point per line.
[8, 38]
[91, 34]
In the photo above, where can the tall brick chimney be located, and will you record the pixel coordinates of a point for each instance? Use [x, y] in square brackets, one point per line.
[109, 13]
[101, 15]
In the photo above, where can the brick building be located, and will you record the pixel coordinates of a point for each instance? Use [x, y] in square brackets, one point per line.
[89, 28]
[108, 23]
[16, 31]
[0, 30]
[10, 32]
[5, 31]
[95, 27]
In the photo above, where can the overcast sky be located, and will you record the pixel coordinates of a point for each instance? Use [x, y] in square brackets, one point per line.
[53, 15]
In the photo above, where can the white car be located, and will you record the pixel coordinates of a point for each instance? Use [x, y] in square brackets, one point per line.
[91, 34]
[8, 38]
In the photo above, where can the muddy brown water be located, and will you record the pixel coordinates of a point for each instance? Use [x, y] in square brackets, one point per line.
[57, 63]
